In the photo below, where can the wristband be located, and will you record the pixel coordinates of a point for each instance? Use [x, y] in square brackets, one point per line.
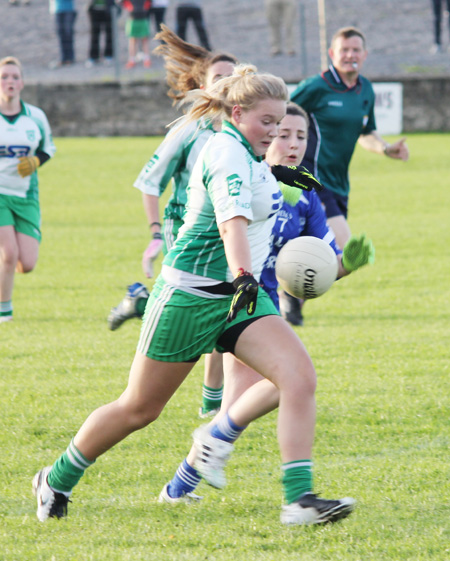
[157, 236]
[242, 273]
[155, 224]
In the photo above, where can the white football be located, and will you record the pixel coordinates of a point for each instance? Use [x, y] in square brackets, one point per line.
[306, 267]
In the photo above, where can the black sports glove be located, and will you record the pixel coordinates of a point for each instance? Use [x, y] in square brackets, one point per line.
[246, 294]
[296, 176]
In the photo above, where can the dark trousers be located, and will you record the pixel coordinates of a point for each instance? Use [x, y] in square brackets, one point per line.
[437, 12]
[186, 13]
[158, 17]
[100, 20]
[65, 22]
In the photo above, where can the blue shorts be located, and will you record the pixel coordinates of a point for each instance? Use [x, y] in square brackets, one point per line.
[334, 204]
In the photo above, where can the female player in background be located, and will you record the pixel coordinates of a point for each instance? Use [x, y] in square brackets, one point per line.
[25, 144]
[208, 296]
[188, 67]
[302, 213]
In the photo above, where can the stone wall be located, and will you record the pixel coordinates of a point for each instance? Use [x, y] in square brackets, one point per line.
[109, 109]
[143, 108]
[426, 105]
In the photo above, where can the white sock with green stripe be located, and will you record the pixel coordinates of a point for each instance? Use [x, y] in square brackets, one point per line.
[68, 470]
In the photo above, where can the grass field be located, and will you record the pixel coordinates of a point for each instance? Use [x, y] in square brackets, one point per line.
[379, 340]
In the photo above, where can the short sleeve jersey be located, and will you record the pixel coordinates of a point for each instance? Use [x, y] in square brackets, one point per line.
[174, 159]
[338, 116]
[306, 218]
[228, 180]
[29, 132]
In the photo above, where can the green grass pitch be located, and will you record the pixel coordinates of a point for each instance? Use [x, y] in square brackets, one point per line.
[379, 340]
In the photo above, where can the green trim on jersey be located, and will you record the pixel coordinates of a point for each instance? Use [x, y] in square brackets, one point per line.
[339, 115]
[227, 181]
[174, 160]
[28, 133]
[229, 128]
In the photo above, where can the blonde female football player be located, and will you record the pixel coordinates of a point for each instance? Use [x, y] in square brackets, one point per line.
[300, 214]
[208, 296]
[187, 67]
[25, 144]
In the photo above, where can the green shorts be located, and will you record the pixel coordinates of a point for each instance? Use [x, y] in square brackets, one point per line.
[23, 214]
[180, 327]
[137, 28]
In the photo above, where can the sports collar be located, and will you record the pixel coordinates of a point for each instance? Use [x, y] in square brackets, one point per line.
[334, 80]
[230, 129]
[13, 118]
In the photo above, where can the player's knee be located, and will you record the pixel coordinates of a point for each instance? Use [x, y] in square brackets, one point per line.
[8, 257]
[138, 418]
[301, 380]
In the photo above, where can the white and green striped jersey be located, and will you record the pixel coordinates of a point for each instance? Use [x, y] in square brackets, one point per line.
[27, 133]
[174, 159]
[228, 180]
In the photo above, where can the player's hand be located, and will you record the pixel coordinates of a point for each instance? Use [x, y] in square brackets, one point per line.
[358, 251]
[296, 176]
[246, 294]
[399, 150]
[28, 165]
[150, 254]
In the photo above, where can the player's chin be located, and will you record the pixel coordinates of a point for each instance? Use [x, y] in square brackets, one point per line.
[262, 148]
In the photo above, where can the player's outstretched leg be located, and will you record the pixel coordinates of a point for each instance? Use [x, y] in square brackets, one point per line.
[132, 306]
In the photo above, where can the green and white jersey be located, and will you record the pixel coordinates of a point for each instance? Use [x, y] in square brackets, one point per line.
[228, 180]
[29, 132]
[174, 159]
[338, 116]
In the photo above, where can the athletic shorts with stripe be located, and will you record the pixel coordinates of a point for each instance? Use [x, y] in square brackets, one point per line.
[179, 326]
[23, 214]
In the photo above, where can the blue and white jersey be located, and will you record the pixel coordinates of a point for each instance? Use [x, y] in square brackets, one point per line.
[28, 133]
[306, 218]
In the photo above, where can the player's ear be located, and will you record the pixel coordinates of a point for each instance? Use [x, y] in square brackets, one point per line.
[236, 113]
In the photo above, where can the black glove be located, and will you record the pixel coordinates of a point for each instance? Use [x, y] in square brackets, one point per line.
[296, 176]
[246, 294]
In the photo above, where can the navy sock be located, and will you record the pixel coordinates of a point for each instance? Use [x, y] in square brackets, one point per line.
[184, 481]
[226, 429]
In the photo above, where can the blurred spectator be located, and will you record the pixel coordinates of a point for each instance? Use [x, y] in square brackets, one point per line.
[281, 14]
[138, 32]
[100, 18]
[438, 6]
[65, 16]
[158, 12]
[192, 11]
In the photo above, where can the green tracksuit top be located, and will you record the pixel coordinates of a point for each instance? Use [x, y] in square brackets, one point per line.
[338, 115]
